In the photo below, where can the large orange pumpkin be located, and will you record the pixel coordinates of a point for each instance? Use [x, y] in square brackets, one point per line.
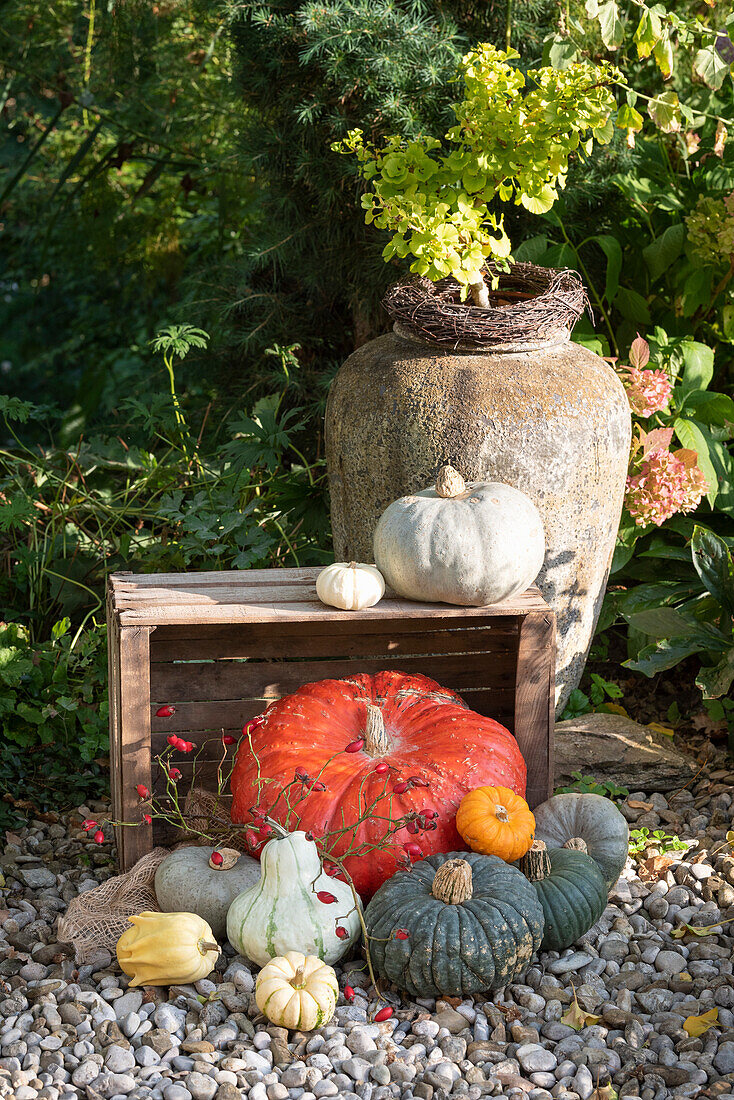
[421, 742]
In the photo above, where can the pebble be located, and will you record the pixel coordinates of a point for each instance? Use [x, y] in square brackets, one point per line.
[70, 1030]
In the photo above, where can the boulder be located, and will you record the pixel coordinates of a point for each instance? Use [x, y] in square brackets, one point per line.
[613, 747]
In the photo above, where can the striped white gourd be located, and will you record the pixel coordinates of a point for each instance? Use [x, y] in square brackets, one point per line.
[283, 912]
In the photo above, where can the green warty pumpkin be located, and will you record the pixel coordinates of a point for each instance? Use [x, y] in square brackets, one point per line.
[570, 888]
[473, 923]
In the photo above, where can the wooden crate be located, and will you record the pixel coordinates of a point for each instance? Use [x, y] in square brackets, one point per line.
[220, 646]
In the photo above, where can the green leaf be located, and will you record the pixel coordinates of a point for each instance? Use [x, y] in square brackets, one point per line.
[559, 51]
[660, 622]
[664, 110]
[715, 681]
[698, 366]
[710, 66]
[694, 438]
[664, 655]
[661, 253]
[612, 249]
[530, 251]
[713, 562]
[710, 408]
[696, 290]
[612, 30]
[632, 306]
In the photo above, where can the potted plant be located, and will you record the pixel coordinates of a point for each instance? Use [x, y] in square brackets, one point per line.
[480, 367]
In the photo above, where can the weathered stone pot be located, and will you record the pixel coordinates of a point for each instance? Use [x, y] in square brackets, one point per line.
[548, 417]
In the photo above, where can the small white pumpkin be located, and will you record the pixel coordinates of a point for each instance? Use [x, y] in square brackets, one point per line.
[297, 991]
[189, 879]
[462, 543]
[283, 912]
[350, 585]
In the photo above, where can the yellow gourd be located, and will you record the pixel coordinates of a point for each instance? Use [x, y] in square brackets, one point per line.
[167, 949]
[297, 991]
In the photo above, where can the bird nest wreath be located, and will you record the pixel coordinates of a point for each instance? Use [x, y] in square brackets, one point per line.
[529, 303]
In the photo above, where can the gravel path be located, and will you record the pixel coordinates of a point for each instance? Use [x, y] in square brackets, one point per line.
[68, 1031]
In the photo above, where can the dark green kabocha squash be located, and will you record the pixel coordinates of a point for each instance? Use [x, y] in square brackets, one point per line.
[454, 924]
[570, 887]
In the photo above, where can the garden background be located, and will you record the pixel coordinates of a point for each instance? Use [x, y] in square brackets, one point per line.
[185, 265]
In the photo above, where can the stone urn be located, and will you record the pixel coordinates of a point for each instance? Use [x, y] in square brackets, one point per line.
[544, 415]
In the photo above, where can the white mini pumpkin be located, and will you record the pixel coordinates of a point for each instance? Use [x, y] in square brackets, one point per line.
[284, 912]
[297, 991]
[187, 879]
[350, 586]
[469, 544]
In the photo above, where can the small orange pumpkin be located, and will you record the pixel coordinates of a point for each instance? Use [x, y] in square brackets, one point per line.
[496, 822]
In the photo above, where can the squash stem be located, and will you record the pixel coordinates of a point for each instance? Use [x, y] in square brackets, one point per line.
[376, 740]
[536, 864]
[452, 883]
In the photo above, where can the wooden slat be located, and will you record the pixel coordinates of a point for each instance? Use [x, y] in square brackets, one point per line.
[192, 681]
[305, 574]
[268, 596]
[115, 727]
[135, 741]
[325, 639]
[534, 698]
[228, 714]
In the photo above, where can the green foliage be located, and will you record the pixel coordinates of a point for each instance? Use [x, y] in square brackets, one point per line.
[179, 498]
[641, 839]
[599, 692]
[53, 717]
[120, 203]
[507, 144]
[587, 784]
[687, 613]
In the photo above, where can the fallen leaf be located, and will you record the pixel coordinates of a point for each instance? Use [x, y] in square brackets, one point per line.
[614, 708]
[706, 724]
[634, 805]
[684, 976]
[577, 1018]
[665, 730]
[706, 930]
[699, 1025]
[652, 869]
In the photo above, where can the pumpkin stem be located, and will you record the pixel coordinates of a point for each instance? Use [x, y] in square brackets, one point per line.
[449, 482]
[536, 864]
[299, 977]
[452, 882]
[500, 812]
[229, 856]
[205, 947]
[376, 741]
[352, 565]
[577, 843]
[280, 832]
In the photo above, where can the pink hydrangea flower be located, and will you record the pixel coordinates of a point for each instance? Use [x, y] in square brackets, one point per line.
[668, 482]
[648, 391]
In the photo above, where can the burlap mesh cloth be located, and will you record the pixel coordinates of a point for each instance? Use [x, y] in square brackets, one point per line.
[96, 919]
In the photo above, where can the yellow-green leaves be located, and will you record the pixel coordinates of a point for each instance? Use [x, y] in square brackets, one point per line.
[710, 66]
[612, 30]
[512, 140]
[664, 110]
